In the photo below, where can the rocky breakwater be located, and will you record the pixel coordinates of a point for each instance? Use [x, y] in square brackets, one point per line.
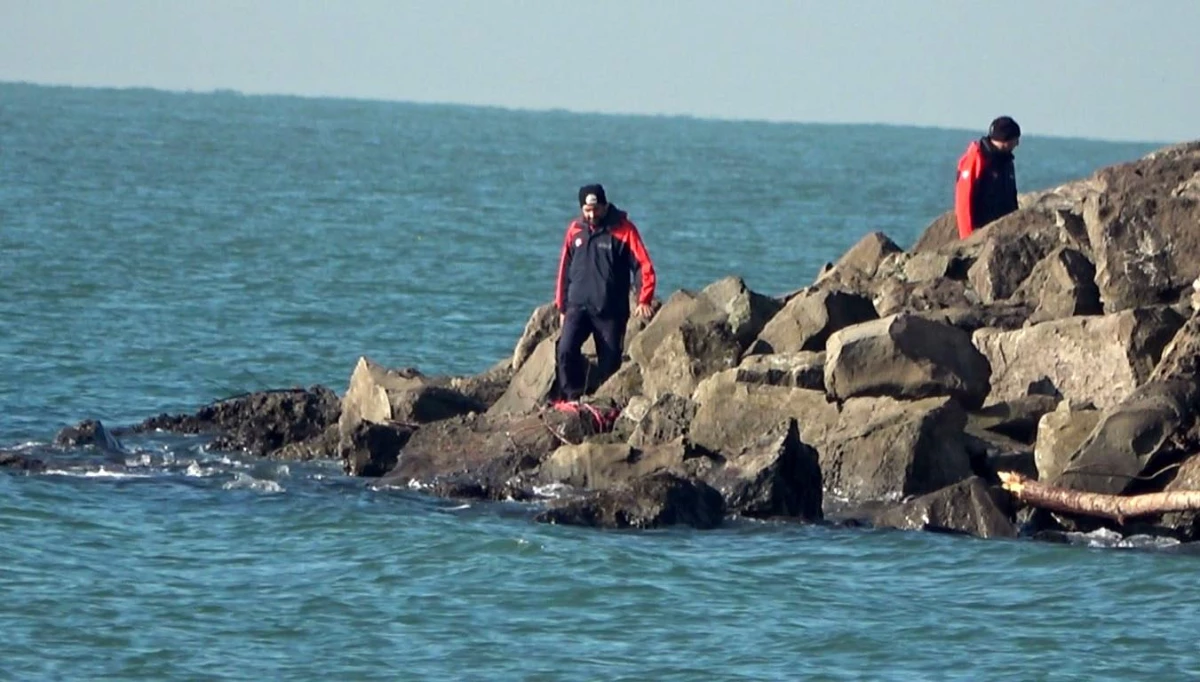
[1060, 342]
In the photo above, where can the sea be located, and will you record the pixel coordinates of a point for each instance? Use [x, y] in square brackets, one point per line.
[160, 251]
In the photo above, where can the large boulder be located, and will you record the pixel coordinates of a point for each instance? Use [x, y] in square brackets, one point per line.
[777, 476]
[655, 501]
[483, 455]
[1003, 264]
[732, 415]
[605, 466]
[532, 384]
[727, 302]
[1128, 436]
[746, 311]
[885, 449]
[970, 507]
[380, 394]
[1142, 227]
[905, 356]
[658, 421]
[808, 319]
[1101, 358]
[689, 354]
[1061, 285]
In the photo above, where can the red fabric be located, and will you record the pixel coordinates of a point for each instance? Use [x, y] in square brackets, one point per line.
[629, 234]
[970, 166]
[602, 420]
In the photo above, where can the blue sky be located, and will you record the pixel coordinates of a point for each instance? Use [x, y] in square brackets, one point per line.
[1101, 68]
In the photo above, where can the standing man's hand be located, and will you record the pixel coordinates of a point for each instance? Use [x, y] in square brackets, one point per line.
[644, 310]
[561, 318]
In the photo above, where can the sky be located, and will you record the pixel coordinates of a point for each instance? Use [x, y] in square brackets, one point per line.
[1104, 69]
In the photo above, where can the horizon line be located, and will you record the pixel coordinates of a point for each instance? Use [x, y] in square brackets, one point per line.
[225, 91]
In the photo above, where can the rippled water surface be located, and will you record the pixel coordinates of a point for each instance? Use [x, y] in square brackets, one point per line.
[160, 251]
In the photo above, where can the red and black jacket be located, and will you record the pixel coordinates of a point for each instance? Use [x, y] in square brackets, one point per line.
[987, 187]
[595, 270]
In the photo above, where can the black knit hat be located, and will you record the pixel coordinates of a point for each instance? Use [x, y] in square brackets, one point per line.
[1004, 129]
[592, 190]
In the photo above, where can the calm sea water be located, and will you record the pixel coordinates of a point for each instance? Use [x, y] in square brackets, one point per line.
[159, 251]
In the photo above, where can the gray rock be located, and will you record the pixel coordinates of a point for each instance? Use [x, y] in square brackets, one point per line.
[905, 356]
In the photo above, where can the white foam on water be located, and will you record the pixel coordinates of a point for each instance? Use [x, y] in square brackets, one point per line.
[552, 490]
[244, 482]
[144, 460]
[99, 473]
[194, 470]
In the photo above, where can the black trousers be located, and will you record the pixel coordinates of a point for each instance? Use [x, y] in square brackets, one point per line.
[578, 325]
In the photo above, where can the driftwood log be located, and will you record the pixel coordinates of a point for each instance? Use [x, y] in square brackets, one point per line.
[1115, 507]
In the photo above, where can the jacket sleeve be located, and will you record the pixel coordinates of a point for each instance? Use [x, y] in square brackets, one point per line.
[643, 265]
[564, 265]
[969, 168]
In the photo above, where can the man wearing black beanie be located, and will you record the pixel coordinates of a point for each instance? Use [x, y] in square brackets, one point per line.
[986, 188]
[601, 251]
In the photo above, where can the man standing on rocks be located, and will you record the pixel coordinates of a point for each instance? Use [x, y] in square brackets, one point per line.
[601, 251]
[987, 180]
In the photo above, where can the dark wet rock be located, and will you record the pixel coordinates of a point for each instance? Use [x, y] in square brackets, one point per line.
[325, 446]
[1096, 358]
[491, 450]
[89, 432]
[259, 423]
[905, 356]
[971, 507]
[656, 501]
[808, 319]
[373, 450]
[805, 369]
[14, 462]
[886, 449]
